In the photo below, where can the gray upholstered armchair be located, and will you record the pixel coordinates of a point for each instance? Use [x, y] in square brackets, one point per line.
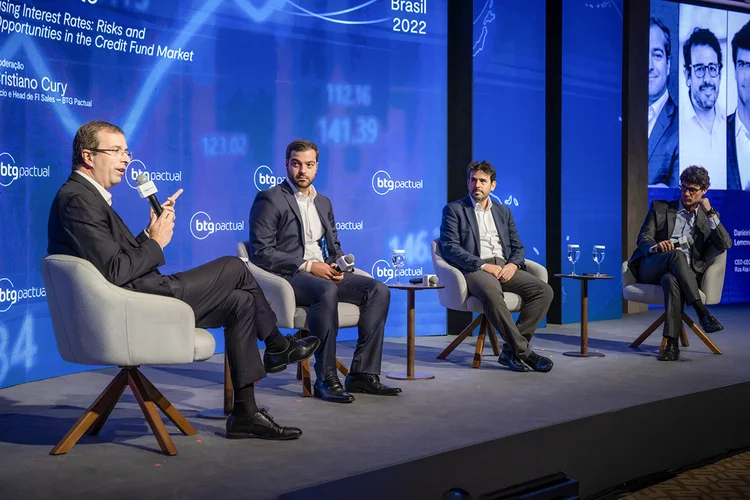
[289, 315]
[710, 289]
[456, 296]
[98, 323]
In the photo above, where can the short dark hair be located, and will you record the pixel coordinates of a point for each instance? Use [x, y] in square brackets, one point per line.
[696, 175]
[87, 137]
[655, 21]
[700, 36]
[740, 40]
[300, 145]
[482, 166]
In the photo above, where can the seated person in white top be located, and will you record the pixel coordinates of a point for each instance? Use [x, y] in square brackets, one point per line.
[480, 238]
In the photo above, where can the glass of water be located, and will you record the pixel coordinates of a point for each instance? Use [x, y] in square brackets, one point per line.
[574, 253]
[598, 254]
[398, 259]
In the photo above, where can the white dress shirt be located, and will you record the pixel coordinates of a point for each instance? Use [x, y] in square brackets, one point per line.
[312, 226]
[489, 239]
[684, 224]
[742, 140]
[700, 147]
[655, 110]
[106, 194]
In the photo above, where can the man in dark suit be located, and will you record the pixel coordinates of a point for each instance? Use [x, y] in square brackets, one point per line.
[479, 237]
[663, 125]
[223, 292]
[738, 122]
[293, 234]
[671, 252]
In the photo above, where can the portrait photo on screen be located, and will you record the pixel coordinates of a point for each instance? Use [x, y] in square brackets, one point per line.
[738, 102]
[663, 98]
[703, 119]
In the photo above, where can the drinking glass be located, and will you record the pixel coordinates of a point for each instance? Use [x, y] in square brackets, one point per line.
[398, 259]
[574, 253]
[598, 254]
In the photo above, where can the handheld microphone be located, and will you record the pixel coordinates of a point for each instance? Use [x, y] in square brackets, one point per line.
[426, 280]
[683, 242]
[147, 189]
[345, 263]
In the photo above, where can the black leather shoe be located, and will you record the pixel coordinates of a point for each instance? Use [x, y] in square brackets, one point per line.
[538, 363]
[297, 350]
[710, 324]
[331, 390]
[671, 351]
[369, 384]
[508, 358]
[259, 425]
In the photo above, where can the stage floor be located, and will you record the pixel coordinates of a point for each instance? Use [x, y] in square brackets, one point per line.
[460, 407]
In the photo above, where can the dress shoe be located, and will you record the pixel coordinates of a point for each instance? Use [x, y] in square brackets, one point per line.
[331, 390]
[296, 350]
[710, 324]
[369, 384]
[259, 425]
[671, 351]
[538, 363]
[510, 359]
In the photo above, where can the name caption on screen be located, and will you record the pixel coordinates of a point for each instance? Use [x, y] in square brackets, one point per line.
[406, 25]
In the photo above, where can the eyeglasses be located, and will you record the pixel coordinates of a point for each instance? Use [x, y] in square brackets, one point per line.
[689, 190]
[116, 152]
[700, 69]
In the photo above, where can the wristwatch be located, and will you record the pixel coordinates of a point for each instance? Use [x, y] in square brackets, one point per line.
[711, 212]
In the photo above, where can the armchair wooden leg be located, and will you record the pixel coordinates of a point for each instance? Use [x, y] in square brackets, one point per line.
[683, 337]
[96, 410]
[342, 368]
[663, 345]
[306, 384]
[222, 413]
[701, 335]
[460, 337]
[148, 408]
[165, 406]
[493, 337]
[480, 345]
[649, 331]
[113, 398]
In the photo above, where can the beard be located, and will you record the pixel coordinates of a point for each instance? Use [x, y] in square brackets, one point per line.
[703, 100]
[302, 182]
[478, 196]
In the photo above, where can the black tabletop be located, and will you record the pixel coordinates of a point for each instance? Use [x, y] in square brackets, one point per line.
[412, 286]
[585, 276]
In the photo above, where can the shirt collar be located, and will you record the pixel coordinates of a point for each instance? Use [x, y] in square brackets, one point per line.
[105, 194]
[681, 209]
[660, 102]
[739, 127]
[301, 197]
[690, 114]
[475, 204]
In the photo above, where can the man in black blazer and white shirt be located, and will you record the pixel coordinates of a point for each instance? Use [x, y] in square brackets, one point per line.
[293, 234]
[480, 239]
[223, 292]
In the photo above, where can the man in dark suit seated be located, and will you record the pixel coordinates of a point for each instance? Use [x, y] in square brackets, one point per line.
[293, 234]
[671, 252]
[223, 292]
[479, 238]
[663, 125]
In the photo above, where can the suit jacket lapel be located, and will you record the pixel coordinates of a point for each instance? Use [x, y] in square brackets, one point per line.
[123, 228]
[289, 196]
[671, 216]
[662, 122]
[499, 223]
[472, 218]
[328, 232]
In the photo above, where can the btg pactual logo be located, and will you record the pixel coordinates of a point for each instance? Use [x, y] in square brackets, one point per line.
[263, 178]
[9, 295]
[137, 167]
[382, 183]
[384, 271]
[201, 226]
[10, 172]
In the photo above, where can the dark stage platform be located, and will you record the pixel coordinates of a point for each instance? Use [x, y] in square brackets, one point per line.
[601, 420]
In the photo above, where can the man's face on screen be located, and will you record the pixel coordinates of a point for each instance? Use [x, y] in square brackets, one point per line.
[301, 168]
[742, 74]
[658, 63]
[480, 186]
[703, 90]
[107, 167]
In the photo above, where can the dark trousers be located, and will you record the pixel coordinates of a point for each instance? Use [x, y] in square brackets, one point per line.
[672, 271]
[322, 297]
[224, 293]
[536, 296]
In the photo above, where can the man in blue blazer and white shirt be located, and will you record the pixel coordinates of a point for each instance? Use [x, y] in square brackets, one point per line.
[480, 239]
[293, 234]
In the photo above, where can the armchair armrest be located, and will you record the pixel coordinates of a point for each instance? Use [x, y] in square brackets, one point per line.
[455, 293]
[276, 289]
[713, 279]
[537, 270]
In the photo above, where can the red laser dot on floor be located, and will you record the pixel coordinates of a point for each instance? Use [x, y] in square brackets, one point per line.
[198, 441]
[157, 465]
